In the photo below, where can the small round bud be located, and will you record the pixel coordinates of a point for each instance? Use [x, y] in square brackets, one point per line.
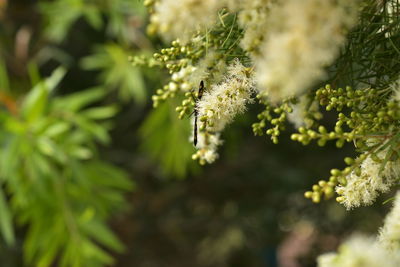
[348, 160]
[335, 172]
[340, 199]
[316, 198]
[308, 194]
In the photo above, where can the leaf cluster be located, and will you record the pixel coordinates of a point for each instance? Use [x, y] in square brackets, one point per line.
[52, 180]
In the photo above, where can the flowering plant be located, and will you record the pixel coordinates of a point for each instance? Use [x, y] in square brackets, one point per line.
[303, 61]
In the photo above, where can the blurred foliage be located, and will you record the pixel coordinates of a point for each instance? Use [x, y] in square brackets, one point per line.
[58, 192]
[117, 72]
[161, 132]
[119, 16]
[55, 183]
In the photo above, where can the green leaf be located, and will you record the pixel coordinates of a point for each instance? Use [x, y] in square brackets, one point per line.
[56, 129]
[117, 73]
[166, 139]
[108, 175]
[36, 101]
[102, 234]
[94, 129]
[33, 72]
[92, 251]
[6, 224]
[77, 101]
[81, 152]
[60, 17]
[55, 78]
[93, 16]
[49, 148]
[100, 113]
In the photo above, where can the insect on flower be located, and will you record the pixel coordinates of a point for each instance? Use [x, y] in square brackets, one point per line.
[199, 95]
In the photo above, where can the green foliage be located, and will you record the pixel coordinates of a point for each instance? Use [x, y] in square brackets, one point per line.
[116, 72]
[371, 56]
[62, 14]
[365, 118]
[53, 181]
[161, 132]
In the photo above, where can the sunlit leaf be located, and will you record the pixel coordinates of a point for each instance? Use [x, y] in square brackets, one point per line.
[37, 99]
[57, 129]
[100, 113]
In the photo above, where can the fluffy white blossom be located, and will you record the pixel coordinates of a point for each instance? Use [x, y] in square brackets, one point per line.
[253, 19]
[182, 77]
[304, 36]
[223, 101]
[218, 106]
[180, 19]
[207, 144]
[301, 110]
[359, 251]
[396, 89]
[390, 232]
[202, 70]
[363, 189]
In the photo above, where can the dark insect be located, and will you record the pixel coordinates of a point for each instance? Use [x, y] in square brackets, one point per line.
[199, 95]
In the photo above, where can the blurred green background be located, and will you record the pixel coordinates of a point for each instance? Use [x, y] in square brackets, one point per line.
[92, 175]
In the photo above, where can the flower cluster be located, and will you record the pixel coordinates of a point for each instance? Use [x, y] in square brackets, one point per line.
[278, 50]
[181, 19]
[359, 251]
[364, 184]
[363, 251]
[286, 47]
[253, 18]
[389, 235]
[304, 37]
[219, 105]
[223, 101]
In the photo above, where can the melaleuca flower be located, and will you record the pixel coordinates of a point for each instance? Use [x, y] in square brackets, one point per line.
[253, 19]
[390, 232]
[299, 116]
[303, 38]
[359, 251]
[364, 187]
[181, 19]
[207, 147]
[223, 101]
[219, 105]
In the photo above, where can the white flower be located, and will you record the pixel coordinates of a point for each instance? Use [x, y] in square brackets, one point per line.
[396, 89]
[363, 189]
[253, 19]
[304, 37]
[203, 67]
[390, 232]
[223, 101]
[218, 106]
[180, 19]
[298, 117]
[207, 144]
[359, 251]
